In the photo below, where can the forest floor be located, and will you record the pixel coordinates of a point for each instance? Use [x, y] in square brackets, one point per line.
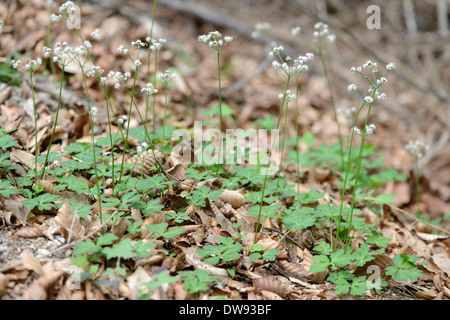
[35, 257]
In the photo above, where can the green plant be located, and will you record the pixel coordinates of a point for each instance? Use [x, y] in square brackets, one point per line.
[226, 251]
[215, 41]
[375, 93]
[405, 268]
[197, 281]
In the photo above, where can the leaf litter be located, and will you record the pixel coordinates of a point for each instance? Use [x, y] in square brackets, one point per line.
[36, 243]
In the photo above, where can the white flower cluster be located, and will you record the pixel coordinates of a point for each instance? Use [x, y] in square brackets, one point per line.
[295, 31]
[96, 71]
[289, 96]
[368, 130]
[155, 45]
[321, 30]
[148, 89]
[214, 40]
[96, 34]
[166, 78]
[143, 146]
[120, 77]
[63, 53]
[122, 119]
[93, 111]
[290, 67]
[416, 148]
[260, 28]
[30, 67]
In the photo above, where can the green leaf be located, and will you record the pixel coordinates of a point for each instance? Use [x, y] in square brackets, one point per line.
[123, 249]
[106, 239]
[323, 247]
[160, 278]
[321, 264]
[270, 254]
[197, 281]
[299, 220]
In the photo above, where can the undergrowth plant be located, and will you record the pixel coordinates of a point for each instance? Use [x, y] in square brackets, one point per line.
[119, 188]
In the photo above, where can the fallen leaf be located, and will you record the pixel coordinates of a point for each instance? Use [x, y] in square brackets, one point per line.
[69, 223]
[442, 261]
[31, 263]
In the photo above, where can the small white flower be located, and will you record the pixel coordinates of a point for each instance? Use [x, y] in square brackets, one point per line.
[117, 86]
[331, 38]
[356, 130]
[416, 148]
[96, 34]
[390, 66]
[309, 56]
[137, 63]
[295, 31]
[370, 129]
[88, 44]
[368, 99]
[139, 149]
[381, 96]
[55, 17]
[94, 111]
[352, 87]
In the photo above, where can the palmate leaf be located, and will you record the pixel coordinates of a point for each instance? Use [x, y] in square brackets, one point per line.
[299, 219]
[123, 249]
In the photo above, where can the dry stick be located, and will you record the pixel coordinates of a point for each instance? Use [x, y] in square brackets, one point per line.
[410, 215]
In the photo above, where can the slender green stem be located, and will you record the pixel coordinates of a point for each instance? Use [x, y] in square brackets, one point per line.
[346, 175]
[36, 147]
[270, 156]
[417, 185]
[325, 72]
[128, 124]
[358, 169]
[164, 121]
[147, 98]
[219, 160]
[297, 138]
[56, 122]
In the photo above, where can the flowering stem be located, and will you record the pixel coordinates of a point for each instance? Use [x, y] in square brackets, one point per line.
[417, 184]
[128, 124]
[36, 147]
[270, 157]
[220, 115]
[358, 169]
[325, 72]
[56, 122]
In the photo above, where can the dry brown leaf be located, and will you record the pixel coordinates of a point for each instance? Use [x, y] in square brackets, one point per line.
[34, 231]
[145, 162]
[19, 211]
[4, 280]
[270, 295]
[120, 227]
[135, 280]
[430, 236]
[39, 288]
[294, 268]
[270, 284]
[442, 261]
[8, 218]
[317, 277]
[426, 294]
[232, 197]
[69, 223]
[4, 94]
[31, 263]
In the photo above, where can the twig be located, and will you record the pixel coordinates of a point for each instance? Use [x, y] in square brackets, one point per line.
[285, 235]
